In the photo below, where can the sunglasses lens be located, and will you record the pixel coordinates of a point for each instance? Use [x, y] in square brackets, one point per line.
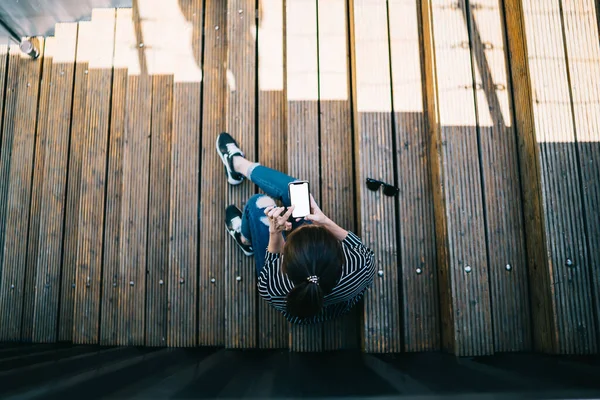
[390, 190]
[373, 184]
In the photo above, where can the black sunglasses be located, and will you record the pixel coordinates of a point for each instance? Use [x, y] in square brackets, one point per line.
[388, 190]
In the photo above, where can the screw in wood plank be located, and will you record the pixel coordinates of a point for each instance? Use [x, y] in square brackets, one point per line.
[217, 28]
[508, 267]
[213, 280]
[468, 269]
[12, 286]
[86, 72]
[131, 283]
[569, 262]
[141, 45]
[240, 11]
[28, 84]
[181, 281]
[73, 286]
[161, 282]
[239, 278]
[419, 271]
[114, 284]
[380, 273]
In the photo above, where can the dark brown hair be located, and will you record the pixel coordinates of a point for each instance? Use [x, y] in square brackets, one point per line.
[311, 251]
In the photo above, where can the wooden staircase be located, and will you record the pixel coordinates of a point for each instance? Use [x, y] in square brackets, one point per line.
[484, 113]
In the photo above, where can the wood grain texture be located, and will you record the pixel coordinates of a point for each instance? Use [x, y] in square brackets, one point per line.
[543, 319]
[78, 135]
[52, 207]
[158, 208]
[504, 212]
[464, 268]
[134, 202]
[240, 296]
[21, 153]
[583, 61]
[420, 302]
[88, 282]
[564, 213]
[337, 162]
[382, 330]
[272, 132]
[184, 196]
[113, 283]
[303, 149]
[211, 323]
[36, 192]
[5, 119]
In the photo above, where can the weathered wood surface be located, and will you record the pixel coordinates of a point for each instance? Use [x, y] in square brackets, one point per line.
[185, 180]
[88, 281]
[563, 281]
[240, 298]
[420, 301]
[49, 257]
[211, 323]
[18, 150]
[374, 150]
[36, 192]
[78, 135]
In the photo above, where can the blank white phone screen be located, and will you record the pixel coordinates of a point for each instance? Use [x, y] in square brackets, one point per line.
[300, 198]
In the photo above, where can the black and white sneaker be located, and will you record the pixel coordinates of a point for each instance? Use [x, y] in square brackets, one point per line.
[227, 148]
[233, 222]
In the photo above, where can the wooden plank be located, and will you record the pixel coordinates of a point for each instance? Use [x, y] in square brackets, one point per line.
[563, 209]
[183, 228]
[272, 121]
[134, 202]
[382, 329]
[460, 215]
[78, 135]
[52, 207]
[20, 178]
[240, 295]
[543, 318]
[504, 212]
[5, 119]
[302, 95]
[158, 233]
[8, 124]
[338, 200]
[583, 58]
[420, 302]
[211, 322]
[113, 285]
[93, 180]
[36, 193]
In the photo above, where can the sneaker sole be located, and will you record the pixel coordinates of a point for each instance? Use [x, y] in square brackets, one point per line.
[232, 234]
[231, 181]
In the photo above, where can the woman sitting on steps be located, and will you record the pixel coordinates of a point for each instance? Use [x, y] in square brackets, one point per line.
[319, 271]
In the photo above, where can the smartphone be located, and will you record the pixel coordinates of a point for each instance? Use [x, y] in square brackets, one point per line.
[300, 197]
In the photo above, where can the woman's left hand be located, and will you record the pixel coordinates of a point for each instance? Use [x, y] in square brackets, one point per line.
[278, 221]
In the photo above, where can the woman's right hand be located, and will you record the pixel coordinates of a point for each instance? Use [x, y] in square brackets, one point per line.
[278, 222]
[316, 216]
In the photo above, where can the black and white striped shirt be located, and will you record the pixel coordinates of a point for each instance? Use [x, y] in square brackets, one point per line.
[357, 276]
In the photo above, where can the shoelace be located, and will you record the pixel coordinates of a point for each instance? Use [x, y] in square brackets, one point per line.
[236, 224]
[232, 149]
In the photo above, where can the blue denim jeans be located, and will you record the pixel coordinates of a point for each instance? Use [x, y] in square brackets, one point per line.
[255, 224]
